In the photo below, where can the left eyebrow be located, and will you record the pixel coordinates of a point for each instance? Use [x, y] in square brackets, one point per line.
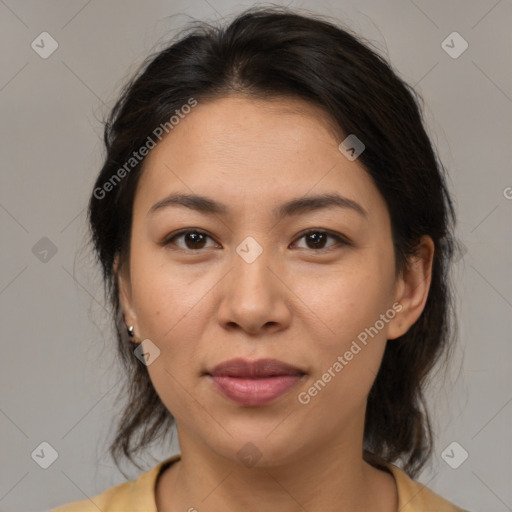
[312, 203]
[295, 206]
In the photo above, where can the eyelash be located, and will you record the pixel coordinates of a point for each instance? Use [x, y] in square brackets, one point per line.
[340, 239]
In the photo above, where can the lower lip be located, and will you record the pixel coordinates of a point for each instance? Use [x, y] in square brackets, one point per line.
[254, 391]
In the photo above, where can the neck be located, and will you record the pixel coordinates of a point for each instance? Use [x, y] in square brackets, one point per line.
[333, 478]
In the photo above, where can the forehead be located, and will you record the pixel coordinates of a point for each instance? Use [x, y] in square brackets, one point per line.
[252, 151]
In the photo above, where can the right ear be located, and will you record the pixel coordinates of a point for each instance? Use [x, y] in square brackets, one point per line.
[125, 293]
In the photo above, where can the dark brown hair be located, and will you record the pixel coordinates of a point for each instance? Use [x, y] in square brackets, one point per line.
[275, 52]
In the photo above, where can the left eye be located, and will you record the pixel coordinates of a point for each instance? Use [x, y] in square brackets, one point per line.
[195, 240]
[317, 238]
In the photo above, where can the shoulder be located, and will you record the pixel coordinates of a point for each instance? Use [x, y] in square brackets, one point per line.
[112, 499]
[416, 497]
[129, 496]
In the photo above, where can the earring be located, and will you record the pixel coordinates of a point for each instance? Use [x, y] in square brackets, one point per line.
[131, 333]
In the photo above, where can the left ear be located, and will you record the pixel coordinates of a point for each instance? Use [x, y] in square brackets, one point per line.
[412, 288]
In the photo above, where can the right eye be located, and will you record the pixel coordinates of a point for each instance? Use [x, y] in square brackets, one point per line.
[193, 239]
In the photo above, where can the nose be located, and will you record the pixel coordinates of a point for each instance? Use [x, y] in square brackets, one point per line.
[254, 297]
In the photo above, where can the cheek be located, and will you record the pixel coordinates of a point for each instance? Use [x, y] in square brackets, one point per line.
[348, 354]
[166, 296]
[349, 333]
[345, 301]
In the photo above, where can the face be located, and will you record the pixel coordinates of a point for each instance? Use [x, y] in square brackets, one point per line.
[312, 285]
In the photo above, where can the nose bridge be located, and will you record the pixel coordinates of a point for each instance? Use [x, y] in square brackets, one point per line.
[252, 292]
[251, 262]
[250, 250]
[253, 297]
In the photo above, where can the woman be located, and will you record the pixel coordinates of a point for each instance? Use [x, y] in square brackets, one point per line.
[275, 234]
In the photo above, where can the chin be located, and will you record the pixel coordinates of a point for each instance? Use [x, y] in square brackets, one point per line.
[253, 444]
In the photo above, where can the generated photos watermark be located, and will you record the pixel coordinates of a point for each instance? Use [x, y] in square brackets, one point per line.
[137, 156]
[304, 397]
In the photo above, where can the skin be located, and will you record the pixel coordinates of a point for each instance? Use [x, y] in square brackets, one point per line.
[296, 303]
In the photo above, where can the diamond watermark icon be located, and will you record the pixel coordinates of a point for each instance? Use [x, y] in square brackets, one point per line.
[44, 249]
[44, 45]
[249, 454]
[351, 147]
[454, 455]
[147, 352]
[249, 249]
[44, 455]
[454, 45]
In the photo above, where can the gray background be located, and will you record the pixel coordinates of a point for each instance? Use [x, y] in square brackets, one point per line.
[58, 377]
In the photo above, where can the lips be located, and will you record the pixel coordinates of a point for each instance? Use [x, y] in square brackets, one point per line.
[253, 383]
[254, 369]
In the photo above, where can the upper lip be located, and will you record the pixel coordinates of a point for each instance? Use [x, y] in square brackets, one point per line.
[260, 368]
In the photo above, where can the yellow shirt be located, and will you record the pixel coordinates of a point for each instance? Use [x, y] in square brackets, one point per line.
[139, 495]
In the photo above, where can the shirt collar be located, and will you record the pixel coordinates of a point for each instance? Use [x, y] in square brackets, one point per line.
[412, 495]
